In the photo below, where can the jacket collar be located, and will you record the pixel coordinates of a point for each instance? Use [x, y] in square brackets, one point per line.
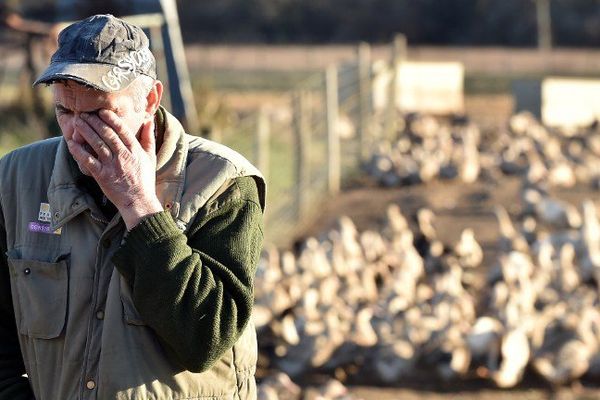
[67, 200]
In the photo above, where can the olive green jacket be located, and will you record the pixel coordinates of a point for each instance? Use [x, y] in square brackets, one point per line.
[160, 313]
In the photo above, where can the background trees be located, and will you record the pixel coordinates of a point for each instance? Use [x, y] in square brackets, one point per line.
[435, 22]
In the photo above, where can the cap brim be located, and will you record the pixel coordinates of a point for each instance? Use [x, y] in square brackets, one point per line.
[95, 75]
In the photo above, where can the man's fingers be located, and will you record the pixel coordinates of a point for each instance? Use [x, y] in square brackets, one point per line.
[105, 132]
[83, 157]
[113, 120]
[77, 137]
[91, 137]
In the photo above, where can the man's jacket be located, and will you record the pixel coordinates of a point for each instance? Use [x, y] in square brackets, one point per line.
[104, 314]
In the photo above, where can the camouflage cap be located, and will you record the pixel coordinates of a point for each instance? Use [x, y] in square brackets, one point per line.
[101, 51]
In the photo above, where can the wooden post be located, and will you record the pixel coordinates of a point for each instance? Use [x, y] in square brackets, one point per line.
[261, 144]
[399, 50]
[364, 102]
[158, 49]
[301, 139]
[37, 101]
[182, 96]
[333, 139]
[544, 24]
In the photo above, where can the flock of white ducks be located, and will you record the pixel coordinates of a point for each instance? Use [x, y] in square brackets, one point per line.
[381, 307]
[429, 149]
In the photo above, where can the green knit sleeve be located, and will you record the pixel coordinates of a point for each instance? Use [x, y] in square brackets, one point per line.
[13, 386]
[196, 291]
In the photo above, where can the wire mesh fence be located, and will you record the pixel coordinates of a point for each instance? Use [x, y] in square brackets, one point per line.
[313, 153]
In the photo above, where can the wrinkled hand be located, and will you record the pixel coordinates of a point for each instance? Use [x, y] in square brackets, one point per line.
[123, 166]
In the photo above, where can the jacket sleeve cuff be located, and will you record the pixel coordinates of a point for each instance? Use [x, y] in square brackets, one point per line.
[139, 243]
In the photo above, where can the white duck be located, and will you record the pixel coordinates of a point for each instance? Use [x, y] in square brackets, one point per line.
[515, 352]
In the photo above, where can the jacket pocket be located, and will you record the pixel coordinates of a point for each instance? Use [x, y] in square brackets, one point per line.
[40, 291]
[130, 313]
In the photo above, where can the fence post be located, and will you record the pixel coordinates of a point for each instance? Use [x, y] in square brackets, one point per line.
[261, 143]
[544, 24]
[333, 139]
[399, 50]
[364, 102]
[158, 49]
[301, 139]
[182, 95]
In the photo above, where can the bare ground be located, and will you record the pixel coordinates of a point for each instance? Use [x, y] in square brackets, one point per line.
[580, 393]
[456, 205]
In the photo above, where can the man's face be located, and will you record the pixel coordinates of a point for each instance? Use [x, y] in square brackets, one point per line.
[71, 99]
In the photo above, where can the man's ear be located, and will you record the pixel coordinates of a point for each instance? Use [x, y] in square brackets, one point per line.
[153, 98]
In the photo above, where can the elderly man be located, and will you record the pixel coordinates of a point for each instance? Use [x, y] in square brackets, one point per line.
[130, 246]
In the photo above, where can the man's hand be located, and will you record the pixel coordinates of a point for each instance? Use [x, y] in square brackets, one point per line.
[123, 166]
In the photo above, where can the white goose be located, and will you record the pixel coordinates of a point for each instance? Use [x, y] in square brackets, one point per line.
[426, 220]
[590, 232]
[515, 356]
[556, 213]
[396, 221]
[484, 340]
[467, 249]
[572, 359]
[510, 238]
[278, 386]
[470, 166]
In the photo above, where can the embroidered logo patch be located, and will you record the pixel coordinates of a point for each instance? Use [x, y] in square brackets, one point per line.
[45, 215]
[43, 228]
[128, 68]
